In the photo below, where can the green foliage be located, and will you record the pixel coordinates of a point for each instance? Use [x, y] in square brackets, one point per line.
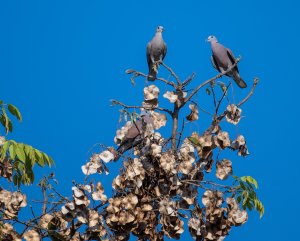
[4, 118]
[246, 194]
[21, 156]
[194, 141]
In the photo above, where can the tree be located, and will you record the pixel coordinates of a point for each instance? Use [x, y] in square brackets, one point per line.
[163, 182]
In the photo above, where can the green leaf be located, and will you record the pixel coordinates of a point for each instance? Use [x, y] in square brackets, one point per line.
[245, 197]
[20, 153]
[48, 159]
[243, 185]
[39, 158]
[10, 125]
[259, 207]
[15, 111]
[194, 141]
[12, 151]
[5, 120]
[17, 180]
[223, 87]
[249, 206]
[207, 91]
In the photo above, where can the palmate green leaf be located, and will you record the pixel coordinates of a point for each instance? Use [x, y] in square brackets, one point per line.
[15, 111]
[24, 158]
[247, 195]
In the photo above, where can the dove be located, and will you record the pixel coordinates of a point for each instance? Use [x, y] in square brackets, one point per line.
[155, 52]
[222, 58]
[133, 136]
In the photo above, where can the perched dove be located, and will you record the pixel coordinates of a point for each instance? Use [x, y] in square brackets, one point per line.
[222, 58]
[134, 135]
[156, 51]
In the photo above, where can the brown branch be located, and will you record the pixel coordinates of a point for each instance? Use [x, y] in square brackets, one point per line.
[44, 209]
[211, 79]
[188, 80]
[137, 73]
[214, 94]
[201, 183]
[116, 102]
[180, 134]
[255, 82]
[200, 108]
[220, 101]
[172, 72]
[175, 126]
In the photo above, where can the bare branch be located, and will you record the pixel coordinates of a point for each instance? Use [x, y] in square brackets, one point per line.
[211, 79]
[255, 82]
[116, 102]
[220, 101]
[172, 72]
[137, 73]
[200, 108]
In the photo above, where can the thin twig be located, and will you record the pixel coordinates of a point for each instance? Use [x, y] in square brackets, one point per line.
[220, 101]
[200, 108]
[214, 94]
[255, 82]
[180, 134]
[188, 80]
[172, 72]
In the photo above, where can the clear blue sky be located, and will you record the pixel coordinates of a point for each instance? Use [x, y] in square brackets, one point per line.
[62, 61]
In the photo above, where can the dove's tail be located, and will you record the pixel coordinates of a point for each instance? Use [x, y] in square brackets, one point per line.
[238, 80]
[127, 145]
[152, 74]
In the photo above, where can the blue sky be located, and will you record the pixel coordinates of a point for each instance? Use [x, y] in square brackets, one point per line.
[62, 61]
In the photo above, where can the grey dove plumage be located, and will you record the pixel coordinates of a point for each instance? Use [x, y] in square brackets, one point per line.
[133, 136]
[222, 58]
[155, 52]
